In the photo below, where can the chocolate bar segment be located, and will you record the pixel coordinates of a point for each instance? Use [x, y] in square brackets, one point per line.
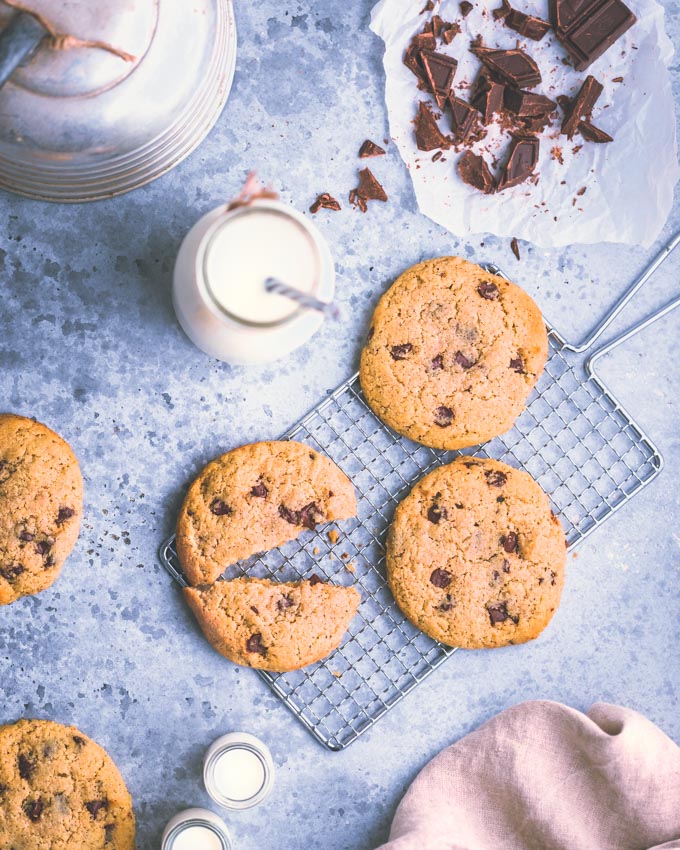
[463, 119]
[581, 106]
[593, 134]
[512, 67]
[526, 104]
[487, 97]
[440, 71]
[587, 28]
[527, 25]
[521, 162]
[428, 135]
[475, 172]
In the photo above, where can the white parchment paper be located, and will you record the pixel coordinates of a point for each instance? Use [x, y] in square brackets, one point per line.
[629, 182]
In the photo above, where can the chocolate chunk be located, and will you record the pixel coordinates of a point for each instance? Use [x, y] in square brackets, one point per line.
[64, 514]
[437, 25]
[289, 515]
[368, 190]
[448, 604]
[487, 97]
[465, 8]
[412, 61]
[521, 162]
[587, 28]
[310, 515]
[495, 478]
[315, 579]
[593, 134]
[463, 119]
[517, 365]
[463, 361]
[42, 547]
[33, 808]
[512, 67]
[437, 513]
[489, 291]
[424, 41]
[26, 766]
[109, 829]
[510, 542]
[474, 171]
[220, 508]
[95, 806]
[581, 106]
[440, 578]
[498, 612]
[11, 571]
[326, 202]
[78, 741]
[369, 149]
[26, 536]
[526, 104]
[450, 32]
[286, 601]
[428, 135]
[438, 362]
[399, 352]
[259, 490]
[440, 71]
[502, 11]
[254, 644]
[526, 25]
[443, 416]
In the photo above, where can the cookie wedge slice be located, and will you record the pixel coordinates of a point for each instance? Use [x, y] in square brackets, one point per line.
[253, 499]
[270, 625]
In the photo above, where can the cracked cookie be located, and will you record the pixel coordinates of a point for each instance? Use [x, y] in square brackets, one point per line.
[452, 354]
[270, 625]
[41, 494]
[475, 556]
[253, 499]
[59, 790]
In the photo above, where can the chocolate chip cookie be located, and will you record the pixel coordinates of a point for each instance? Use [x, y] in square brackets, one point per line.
[59, 790]
[452, 354]
[272, 626]
[41, 494]
[475, 556]
[253, 499]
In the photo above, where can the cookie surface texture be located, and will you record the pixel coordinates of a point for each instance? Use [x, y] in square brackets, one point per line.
[253, 499]
[41, 506]
[452, 354]
[273, 626]
[59, 790]
[475, 556]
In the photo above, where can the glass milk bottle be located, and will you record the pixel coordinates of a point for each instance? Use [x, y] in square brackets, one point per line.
[219, 291]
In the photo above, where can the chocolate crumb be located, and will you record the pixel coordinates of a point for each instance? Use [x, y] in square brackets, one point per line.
[514, 247]
[326, 202]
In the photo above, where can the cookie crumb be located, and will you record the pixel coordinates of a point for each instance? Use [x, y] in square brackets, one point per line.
[333, 535]
[351, 566]
[316, 550]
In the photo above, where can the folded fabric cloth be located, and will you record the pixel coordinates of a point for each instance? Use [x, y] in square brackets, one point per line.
[542, 776]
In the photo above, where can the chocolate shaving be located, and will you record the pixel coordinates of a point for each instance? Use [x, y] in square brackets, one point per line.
[326, 202]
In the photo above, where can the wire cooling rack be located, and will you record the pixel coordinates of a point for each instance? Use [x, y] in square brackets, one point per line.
[574, 438]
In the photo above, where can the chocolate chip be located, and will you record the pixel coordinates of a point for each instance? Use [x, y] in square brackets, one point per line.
[33, 808]
[463, 361]
[495, 478]
[488, 291]
[310, 515]
[510, 542]
[254, 609]
[399, 352]
[26, 766]
[42, 547]
[315, 579]
[500, 499]
[254, 644]
[435, 513]
[517, 365]
[26, 536]
[438, 362]
[108, 832]
[64, 514]
[448, 604]
[286, 601]
[259, 490]
[78, 741]
[440, 578]
[506, 566]
[288, 515]
[498, 612]
[11, 571]
[95, 806]
[552, 577]
[220, 508]
[541, 580]
[459, 505]
[443, 416]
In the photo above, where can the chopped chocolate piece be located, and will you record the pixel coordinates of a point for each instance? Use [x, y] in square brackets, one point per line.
[428, 7]
[463, 361]
[315, 579]
[438, 362]
[521, 162]
[324, 201]
[368, 190]
[526, 25]
[440, 71]
[440, 578]
[254, 644]
[443, 416]
[42, 547]
[556, 153]
[564, 102]
[26, 536]
[587, 28]
[399, 352]
[424, 41]
[582, 190]
[495, 478]
[475, 172]
[512, 67]
[437, 24]
[465, 8]
[477, 41]
[517, 365]
[463, 119]
[526, 104]
[64, 514]
[487, 97]
[437, 156]
[436, 513]
[514, 247]
[510, 542]
[369, 149]
[428, 135]
[412, 61]
[259, 490]
[593, 134]
[451, 31]
[502, 11]
[490, 292]
[220, 508]
[498, 612]
[581, 106]
[535, 125]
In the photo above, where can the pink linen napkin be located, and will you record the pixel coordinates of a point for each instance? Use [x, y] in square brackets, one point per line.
[542, 776]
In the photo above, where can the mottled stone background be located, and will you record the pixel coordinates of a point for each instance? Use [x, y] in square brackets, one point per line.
[89, 344]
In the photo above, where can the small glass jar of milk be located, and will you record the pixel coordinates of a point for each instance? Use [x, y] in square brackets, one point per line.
[196, 829]
[238, 771]
[219, 286]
